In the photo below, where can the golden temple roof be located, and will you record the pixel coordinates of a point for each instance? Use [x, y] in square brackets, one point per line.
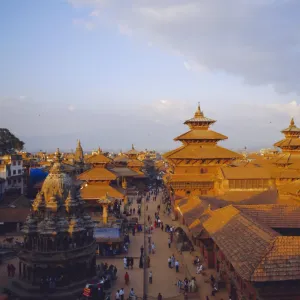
[98, 159]
[191, 177]
[199, 118]
[97, 174]
[291, 128]
[245, 173]
[200, 134]
[135, 163]
[289, 142]
[194, 151]
[132, 151]
[97, 191]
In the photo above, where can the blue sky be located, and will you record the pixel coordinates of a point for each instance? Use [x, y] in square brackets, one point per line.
[113, 73]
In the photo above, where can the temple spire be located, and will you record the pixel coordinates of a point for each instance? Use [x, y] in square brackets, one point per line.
[292, 122]
[132, 147]
[198, 112]
[58, 155]
[79, 152]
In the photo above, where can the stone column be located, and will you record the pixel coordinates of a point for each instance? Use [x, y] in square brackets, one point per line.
[105, 213]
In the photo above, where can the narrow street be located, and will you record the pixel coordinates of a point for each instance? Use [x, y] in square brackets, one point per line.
[164, 278]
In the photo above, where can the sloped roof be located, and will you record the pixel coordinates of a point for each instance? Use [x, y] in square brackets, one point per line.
[290, 188]
[282, 262]
[288, 142]
[97, 191]
[97, 174]
[201, 134]
[285, 173]
[124, 172]
[193, 151]
[135, 163]
[98, 159]
[273, 215]
[243, 241]
[191, 177]
[245, 173]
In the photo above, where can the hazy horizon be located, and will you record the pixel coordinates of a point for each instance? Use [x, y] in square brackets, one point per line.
[115, 73]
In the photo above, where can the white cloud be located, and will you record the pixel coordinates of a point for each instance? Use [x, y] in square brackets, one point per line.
[94, 13]
[71, 108]
[291, 109]
[187, 65]
[257, 40]
[125, 30]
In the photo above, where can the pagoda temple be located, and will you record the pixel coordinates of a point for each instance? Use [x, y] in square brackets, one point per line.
[290, 147]
[195, 165]
[97, 182]
[58, 240]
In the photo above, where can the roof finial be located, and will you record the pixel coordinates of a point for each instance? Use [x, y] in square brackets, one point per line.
[198, 112]
[292, 122]
[58, 155]
[132, 147]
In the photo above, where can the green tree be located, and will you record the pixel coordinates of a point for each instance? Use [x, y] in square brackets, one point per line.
[9, 143]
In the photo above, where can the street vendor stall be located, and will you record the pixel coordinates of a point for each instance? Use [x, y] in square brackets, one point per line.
[110, 241]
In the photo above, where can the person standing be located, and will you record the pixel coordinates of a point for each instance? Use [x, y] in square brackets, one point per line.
[121, 293]
[169, 262]
[169, 242]
[117, 295]
[177, 266]
[159, 297]
[125, 262]
[150, 277]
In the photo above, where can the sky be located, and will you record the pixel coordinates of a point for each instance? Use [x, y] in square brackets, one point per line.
[113, 73]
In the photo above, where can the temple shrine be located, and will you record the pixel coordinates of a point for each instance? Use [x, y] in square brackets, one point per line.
[195, 165]
[58, 241]
[290, 147]
[97, 182]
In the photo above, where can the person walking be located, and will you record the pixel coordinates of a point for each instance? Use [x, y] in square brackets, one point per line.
[169, 242]
[150, 277]
[125, 262]
[126, 277]
[117, 295]
[153, 248]
[159, 297]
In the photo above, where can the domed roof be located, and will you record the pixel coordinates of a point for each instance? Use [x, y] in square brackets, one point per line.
[57, 184]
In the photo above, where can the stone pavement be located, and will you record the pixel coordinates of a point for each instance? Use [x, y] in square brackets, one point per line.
[136, 275]
[164, 279]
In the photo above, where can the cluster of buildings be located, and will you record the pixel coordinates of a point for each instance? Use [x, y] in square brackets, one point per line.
[97, 174]
[242, 211]
[74, 215]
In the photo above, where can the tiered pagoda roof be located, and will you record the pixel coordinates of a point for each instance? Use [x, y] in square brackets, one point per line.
[200, 142]
[291, 142]
[98, 159]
